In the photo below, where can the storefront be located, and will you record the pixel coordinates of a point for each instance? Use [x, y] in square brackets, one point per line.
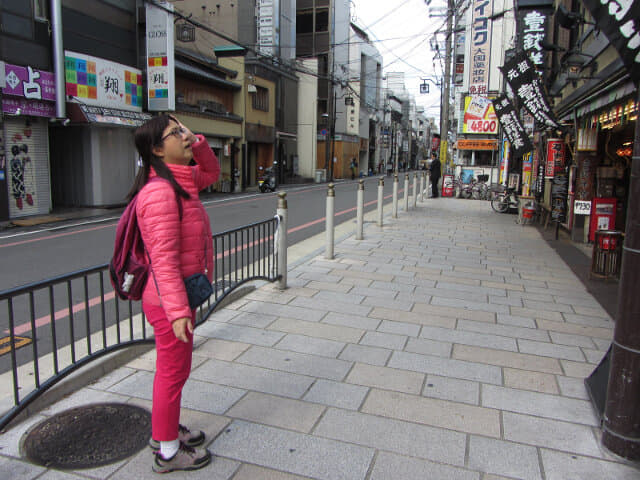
[599, 163]
[93, 157]
[28, 102]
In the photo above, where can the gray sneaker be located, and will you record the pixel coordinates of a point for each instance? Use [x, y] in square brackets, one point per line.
[186, 458]
[186, 436]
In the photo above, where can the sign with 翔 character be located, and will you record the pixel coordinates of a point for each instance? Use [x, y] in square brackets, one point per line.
[160, 58]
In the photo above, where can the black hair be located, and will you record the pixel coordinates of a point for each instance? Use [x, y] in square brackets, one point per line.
[147, 137]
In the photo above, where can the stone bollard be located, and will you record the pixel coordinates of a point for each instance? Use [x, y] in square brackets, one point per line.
[282, 240]
[380, 199]
[422, 187]
[394, 212]
[360, 211]
[331, 197]
[415, 190]
[406, 192]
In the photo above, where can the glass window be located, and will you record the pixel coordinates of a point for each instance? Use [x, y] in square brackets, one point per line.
[304, 22]
[260, 99]
[322, 20]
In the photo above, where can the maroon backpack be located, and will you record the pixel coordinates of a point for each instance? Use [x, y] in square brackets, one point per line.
[129, 267]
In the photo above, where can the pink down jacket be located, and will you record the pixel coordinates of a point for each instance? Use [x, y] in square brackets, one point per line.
[177, 248]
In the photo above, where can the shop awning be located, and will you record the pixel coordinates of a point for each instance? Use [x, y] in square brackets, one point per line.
[79, 113]
[607, 98]
[202, 74]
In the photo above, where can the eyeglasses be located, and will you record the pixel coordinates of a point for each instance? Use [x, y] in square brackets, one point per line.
[176, 132]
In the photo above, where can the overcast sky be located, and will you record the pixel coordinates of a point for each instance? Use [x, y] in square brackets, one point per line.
[401, 30]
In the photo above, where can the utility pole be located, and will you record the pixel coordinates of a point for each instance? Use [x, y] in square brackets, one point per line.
[621, 428]
[444, 105]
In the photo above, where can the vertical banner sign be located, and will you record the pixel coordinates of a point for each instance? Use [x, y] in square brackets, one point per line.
[619, 20]
[527, 166]
[532, 22]
[512, 127]
[458, 78]
[555, 157]
[160, 58]
[523, 79]
[480, 47]
[268, 27]
[504, 161]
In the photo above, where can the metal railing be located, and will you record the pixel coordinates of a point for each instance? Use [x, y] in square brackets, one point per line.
[58, 325]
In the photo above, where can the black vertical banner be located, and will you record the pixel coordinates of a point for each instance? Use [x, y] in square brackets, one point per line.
[619, 20]
[522, 77]
[510, 123]
[533, 24]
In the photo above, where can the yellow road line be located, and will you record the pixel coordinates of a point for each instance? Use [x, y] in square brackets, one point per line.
[18, 342]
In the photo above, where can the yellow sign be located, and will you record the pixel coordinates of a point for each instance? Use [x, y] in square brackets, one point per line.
[479, 116]
[477, 145]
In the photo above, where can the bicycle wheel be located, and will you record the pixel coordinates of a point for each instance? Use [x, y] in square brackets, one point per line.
[500, 204]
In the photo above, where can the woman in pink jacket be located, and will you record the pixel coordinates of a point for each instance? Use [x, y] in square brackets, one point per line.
[179, 243]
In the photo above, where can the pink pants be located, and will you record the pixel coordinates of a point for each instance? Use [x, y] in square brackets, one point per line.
[173, 365]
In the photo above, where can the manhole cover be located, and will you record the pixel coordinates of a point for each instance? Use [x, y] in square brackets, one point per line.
[89, 436]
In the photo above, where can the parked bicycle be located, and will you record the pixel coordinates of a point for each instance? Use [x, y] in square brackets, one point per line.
[505, 200]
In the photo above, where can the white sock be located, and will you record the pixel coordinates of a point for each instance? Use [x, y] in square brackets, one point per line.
[169, 449]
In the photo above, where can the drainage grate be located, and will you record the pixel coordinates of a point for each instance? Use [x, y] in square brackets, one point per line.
[89, 436]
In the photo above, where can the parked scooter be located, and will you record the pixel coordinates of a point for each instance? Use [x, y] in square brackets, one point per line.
[267, 183]
[505, 200]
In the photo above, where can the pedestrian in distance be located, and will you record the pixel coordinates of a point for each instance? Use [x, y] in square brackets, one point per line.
[354, 168]
[434, 175]
[177, 236]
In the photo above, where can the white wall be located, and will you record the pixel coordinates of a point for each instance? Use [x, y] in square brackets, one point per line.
[307, 117]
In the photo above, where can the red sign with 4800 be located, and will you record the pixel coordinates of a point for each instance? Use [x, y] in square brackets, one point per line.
[483, 126]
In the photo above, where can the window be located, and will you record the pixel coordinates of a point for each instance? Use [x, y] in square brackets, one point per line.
[41, 9]
[260, 99]
[322, 20]
[304, 22]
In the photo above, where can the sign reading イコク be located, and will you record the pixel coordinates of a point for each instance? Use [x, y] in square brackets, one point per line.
[480, 47]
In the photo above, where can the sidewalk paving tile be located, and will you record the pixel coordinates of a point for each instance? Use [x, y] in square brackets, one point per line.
[239, 333]
[292, 452]
[256, 379]
[251, 472]
[353, 321]
[434, 412]
[545, 349]
[574, 329]
[549, 306]
[386, 378]
[314, 346]
[516, 321]
[456, 390]
[527, 380]
[564, 466]
[429, 347]
[542, 432]
[336, 394]
[469, 338]
[577, 369]
[384, 340]
[323, 305]
[300, 363]
[18, 470]
[277, 411]
[222, 349]
[399, 328]
[389, 466]
[322, 330]
[330, 297]
[602, 322]
[593, 356]
[539, 404]
[571, 339]
[289, 311]
[572, 387]
[255, 320]
[497, 456]
[445, 311]
[375, 292]
[412, 317]
[446, 367]
[424, 294]
[534, 313]
[366, 354]
[396, 436]
[504, 330]
[503, 358]
[397, 304]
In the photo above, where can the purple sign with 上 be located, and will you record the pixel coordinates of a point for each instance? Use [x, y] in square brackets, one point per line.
[21, 106]
[29, 83]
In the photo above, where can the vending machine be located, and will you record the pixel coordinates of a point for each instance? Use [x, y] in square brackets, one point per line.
[603, 215]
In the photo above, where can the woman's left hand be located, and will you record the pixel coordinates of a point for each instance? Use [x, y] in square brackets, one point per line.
[180, 328]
